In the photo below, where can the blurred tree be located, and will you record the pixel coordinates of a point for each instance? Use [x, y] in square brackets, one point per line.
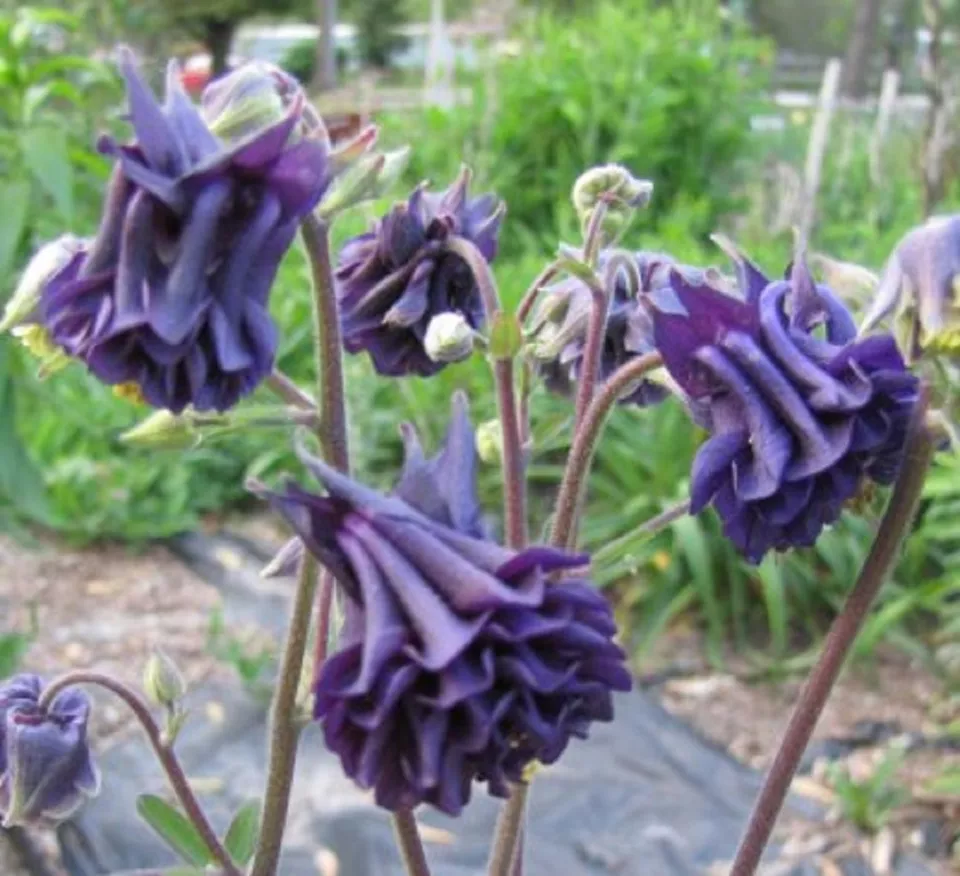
[325, 70]
[900, 34]
[863, 38]
[377, 22]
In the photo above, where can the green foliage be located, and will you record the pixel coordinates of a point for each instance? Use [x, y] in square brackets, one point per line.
[656, 88]
[14, 646]
[241, 838]
[869, 803]
[175, 829]
[301, 60]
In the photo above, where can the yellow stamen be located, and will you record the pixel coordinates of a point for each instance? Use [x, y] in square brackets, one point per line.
[130, 392]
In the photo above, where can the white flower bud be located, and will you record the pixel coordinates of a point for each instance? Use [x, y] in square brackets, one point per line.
[449, 338]
[162, 681]
[489, 439]
[48, 261]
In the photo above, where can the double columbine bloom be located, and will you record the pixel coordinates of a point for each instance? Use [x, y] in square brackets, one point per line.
[800, 411]
[393, 281]
[459, 660]
[171, 295]
[46, 768]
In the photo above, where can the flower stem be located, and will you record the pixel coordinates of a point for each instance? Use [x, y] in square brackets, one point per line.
[332, 433]
[285, 388]
[883, 555]
[649, 527]
[408, 840]
[592, 351]
[536, 287]
[284, 726]
[164, 752]
[331, 392]
[514, 475]
[575, 474]
[509, 830]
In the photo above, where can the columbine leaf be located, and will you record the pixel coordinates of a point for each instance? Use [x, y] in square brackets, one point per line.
[174, 829]
[241, 838]
[45, 155]
[15, 197]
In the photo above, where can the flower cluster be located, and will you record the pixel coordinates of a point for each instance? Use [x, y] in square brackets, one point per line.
[395, 279]
[800, 411]
[171, 295]
[46, 768]
[458, 660]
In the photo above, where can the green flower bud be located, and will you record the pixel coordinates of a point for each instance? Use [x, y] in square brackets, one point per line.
[490, 442]
[163, 430]
[245, 101]
[370, 177]
[162, 681]
[449, 338]
[48, 261]
[621, 192]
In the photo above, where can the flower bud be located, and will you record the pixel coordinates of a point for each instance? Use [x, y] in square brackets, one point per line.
[490, 442]
[370, 177]
[46, 767]
[48, 261]
[247, 100]
[162, 681]
[449, 338]
[619, 189]
[163, 430]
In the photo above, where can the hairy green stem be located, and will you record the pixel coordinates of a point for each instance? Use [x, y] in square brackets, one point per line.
[575, 475]
[883, 555]
[408, 841]
[284, 725]
[163, 750]
[332, 433]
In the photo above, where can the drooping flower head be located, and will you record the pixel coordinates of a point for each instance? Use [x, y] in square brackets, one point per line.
[172, 294]
[800, 411]
[46, 767]
[922, 281]
[458, 661]
[395, 279]
[560, 324]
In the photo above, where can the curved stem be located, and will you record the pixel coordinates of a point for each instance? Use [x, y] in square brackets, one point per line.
[284, 726]
[514, 475]
[592, 351]
[584, 443]
[164, 752]
[285, 388]
[649, 527]
[883, 555]
[592, 234]
[408, 840]
[533, 292]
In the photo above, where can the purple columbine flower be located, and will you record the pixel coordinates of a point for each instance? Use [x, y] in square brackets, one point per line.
[458, 660]
[922, 282]
[394, 279]
[172, 294]
[560, 324]
[800, 412]
[46, 767]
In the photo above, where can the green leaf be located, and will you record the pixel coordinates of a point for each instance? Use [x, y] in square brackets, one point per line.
[506, 336]
[241, 838]
[45, 154]
[21, 482]
[174, 829]
[15, 197]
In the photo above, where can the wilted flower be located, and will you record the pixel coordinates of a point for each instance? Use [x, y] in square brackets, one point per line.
[799, 410]
[922, 279]
[393, 280]
[458, 661]
[46, 768]
[559, 326]
[172, 294]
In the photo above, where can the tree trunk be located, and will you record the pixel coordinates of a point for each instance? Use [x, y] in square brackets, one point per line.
[856, 63]
[901, 36]
[325, 74]
[218, 39]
